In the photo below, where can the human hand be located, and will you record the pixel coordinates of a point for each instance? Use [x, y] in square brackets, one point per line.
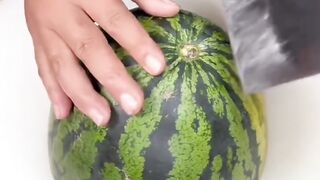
[64, 34]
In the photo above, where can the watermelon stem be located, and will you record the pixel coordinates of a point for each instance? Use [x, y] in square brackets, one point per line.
[190, 51]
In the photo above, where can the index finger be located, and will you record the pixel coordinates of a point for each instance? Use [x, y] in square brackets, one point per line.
[121, 24]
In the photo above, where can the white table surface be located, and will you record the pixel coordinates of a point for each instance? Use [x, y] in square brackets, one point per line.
[292, 109]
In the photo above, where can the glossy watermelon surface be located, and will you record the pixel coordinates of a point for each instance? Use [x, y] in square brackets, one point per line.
[196, 122]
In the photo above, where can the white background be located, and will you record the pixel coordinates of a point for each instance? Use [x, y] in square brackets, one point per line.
[292, 109]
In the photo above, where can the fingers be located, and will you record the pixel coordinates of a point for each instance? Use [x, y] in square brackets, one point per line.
[74, 81]
[90, 45]
[118, 22]
[61, 102]
[168, 7]
[77, 37]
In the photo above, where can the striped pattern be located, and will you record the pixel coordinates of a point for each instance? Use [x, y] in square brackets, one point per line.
[196, 122]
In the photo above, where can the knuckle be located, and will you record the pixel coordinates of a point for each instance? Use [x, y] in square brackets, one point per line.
[52, 91]
[111, 78]
[140, 43]
[114, 20]
[54, 56]
[55, 60]
[84, 46]
[77, 100]
[82, 100]
[41, 73]
[144, 48]
[51, 88]
[56, 67]
[141, 50]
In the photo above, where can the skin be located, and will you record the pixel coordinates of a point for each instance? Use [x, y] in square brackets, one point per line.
[64, 35]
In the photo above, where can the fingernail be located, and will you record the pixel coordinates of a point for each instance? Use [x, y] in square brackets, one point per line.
[129, 104]
[169, 2]
[99, 117]
[57, 111]
[153, 65]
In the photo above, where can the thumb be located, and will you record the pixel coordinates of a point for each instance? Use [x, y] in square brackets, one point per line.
[161, 8]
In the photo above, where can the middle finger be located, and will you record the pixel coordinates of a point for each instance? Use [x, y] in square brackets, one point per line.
[90, 45]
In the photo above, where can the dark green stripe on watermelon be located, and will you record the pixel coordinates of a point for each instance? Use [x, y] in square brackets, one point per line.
[241, 170]
[196, 122]
[245, 118]
[159, 148]
[220, 141]
[110, 145]
[190, 145]
[77, 162]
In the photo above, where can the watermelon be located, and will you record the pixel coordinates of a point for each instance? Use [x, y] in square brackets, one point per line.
[196, 122]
